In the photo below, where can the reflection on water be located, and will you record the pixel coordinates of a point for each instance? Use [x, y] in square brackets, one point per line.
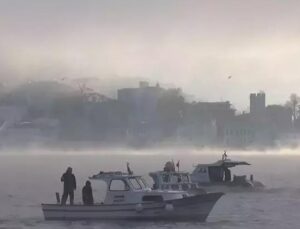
[27, 179]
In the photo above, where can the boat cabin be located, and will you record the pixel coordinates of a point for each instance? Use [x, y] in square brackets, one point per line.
[127, 188]
[216, 172]
[171, 180]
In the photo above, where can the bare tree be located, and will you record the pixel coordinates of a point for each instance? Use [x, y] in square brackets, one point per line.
[293, 104]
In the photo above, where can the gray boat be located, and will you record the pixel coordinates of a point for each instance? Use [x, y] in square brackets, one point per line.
[129, 198]
[217, 177]
[170, 179]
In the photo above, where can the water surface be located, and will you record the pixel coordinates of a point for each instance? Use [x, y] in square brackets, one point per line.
[30, 178]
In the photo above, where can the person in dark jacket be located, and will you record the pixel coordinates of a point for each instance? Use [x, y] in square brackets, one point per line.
[227, 174]
[87, 194]
[69, 186]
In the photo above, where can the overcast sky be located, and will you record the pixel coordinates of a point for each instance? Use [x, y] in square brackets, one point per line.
[194, 45]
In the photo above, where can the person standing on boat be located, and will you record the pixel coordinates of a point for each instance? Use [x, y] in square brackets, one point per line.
[87, 194]
[69, 186]
[227, 174]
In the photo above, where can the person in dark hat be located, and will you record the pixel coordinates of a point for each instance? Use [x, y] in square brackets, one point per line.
[69, 186]
[87, 194]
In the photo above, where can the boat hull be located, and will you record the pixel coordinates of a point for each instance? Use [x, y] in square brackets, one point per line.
[250, 186]
[194, 208]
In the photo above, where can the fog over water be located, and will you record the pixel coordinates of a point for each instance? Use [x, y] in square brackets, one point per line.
[62, 62]
[28, 179]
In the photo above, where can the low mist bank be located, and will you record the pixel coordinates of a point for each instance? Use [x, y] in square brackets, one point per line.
[58, 114]
[175, 151]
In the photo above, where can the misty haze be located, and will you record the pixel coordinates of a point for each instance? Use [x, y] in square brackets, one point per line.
[151, 114]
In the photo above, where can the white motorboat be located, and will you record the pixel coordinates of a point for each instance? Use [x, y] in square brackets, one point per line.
[169, 179]
[129, 197]
[217, 176]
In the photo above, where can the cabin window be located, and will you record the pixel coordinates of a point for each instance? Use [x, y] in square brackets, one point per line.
[174, 178]
[135, 184]
[166, 178]
[165, 186]
[185, 187]
[142, 182]
[118, 185]
[175, 186]
[177, 178]
[153, 198]
[185, 178]
[202, 170]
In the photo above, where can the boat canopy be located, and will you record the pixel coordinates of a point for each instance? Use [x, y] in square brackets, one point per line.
[224, 163]
[107, 176]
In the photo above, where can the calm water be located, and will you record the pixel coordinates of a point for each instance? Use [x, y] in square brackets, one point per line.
[28, 179]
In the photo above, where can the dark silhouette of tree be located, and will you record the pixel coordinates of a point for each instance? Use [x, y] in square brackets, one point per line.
[108, 119]
[170, 110]
[293, 104]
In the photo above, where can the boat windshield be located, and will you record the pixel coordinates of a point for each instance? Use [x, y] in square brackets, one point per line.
[135, 184]
[143, 183]
[175, 178]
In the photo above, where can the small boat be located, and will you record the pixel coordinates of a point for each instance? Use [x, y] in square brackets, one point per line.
[128, 197]
[169, 179]
[217, 176]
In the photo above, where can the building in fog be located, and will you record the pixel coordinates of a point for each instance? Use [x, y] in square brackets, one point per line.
[249, 129]
[239, 132]
[141, 97]
[258, 106]
[204, 121]
[141, 115]
[279, 121]
[142, 102]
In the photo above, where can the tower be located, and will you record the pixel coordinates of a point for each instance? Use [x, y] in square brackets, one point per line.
[258, 105]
